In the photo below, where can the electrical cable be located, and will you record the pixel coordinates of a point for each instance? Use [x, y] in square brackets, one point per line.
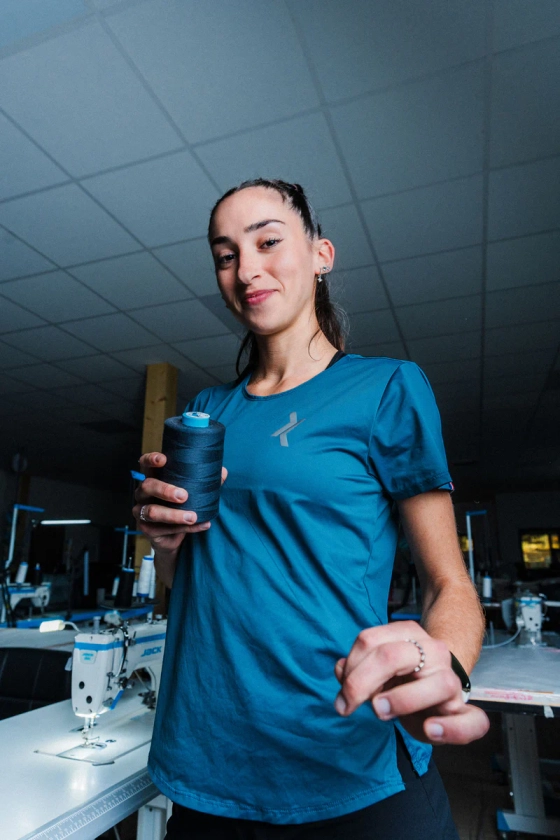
[502, 644]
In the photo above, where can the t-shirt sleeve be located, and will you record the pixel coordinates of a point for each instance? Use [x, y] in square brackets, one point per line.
[406, 448]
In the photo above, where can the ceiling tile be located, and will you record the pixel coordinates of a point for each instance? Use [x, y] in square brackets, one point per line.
[45, 376]
[111, 332]
[49, 344]
[132, 281]
[522, 305]
[156, 354]
[215, 304]
[209, 352]
[10, 357]
[435, 276]
[18, 259]
[454, 397]
[519, 364]
[452, 348]
[192, 263]
[79, 98]
[9, 385]
[299, 150]
[55, 297]
[443, 372]
[515, 23]
[191, 383]
[516, 339]
[23, 167]
[358, 290]
[209, 90]
[511, 401]
[23, 18]
[525, 121]
[66, 225]
[519, 262]
[414, 135]
[13, 317]
[88, 394]
[224, 373]
[98, 369]
[160, 201]
[389, 350]
[363, 46]
[444, 317]
[368, 328]
[498, 386]
[132, 388]
[181, 321]
[343, 227]
[524, 199]
[430, 219]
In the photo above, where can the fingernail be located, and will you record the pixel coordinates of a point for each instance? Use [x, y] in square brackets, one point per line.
[206, 525]
[340, 704]
[189, 517]
[180, 495]
[434, 730]
[382, 706]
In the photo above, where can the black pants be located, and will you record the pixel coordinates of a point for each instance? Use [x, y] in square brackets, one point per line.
[421, 812]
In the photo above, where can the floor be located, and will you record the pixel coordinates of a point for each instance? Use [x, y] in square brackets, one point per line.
[475, 789]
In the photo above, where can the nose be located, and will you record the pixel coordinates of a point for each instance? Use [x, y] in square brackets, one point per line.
[247, 267]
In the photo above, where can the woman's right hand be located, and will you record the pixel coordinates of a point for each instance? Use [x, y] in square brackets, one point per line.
[165, 527]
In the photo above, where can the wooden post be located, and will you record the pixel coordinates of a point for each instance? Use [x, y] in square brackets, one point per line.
[160, 403]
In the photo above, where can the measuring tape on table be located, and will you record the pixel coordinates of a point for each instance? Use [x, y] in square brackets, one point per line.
[115, 804]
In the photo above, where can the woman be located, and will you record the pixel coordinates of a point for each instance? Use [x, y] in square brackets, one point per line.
[289, 707]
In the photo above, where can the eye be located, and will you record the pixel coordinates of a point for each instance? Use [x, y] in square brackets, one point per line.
[224, 259]
[270, 242]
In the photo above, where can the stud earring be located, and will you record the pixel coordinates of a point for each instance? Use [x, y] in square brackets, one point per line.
[324, 269]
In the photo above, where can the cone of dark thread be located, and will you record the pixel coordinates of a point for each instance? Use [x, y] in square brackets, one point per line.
[123, 598]
[194, 462]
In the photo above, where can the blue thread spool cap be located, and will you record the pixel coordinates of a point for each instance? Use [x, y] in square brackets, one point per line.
[196, 419]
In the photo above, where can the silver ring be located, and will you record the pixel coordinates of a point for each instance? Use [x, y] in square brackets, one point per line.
[422, 655]
[142, 514]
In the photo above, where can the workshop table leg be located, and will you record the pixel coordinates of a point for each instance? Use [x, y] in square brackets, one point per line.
[152, 819]
[525, 777]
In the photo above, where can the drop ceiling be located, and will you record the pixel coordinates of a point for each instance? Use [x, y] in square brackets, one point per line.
[427, 135]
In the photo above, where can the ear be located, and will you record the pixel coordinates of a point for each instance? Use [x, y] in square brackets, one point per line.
[324, 255]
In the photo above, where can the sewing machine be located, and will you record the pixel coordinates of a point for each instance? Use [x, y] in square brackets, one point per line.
[38, 595]
[103, 663]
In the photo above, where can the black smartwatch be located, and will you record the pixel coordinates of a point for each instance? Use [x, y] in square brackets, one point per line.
[463, 676]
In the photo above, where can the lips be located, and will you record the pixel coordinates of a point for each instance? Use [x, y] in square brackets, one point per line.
[254, 298]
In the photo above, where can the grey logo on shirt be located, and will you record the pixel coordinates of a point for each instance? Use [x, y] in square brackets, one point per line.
[285, 430]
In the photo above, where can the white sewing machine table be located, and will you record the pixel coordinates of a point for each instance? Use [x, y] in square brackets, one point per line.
[45, 797]
[521, 682]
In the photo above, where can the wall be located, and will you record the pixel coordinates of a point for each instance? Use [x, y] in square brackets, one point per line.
[516, 511]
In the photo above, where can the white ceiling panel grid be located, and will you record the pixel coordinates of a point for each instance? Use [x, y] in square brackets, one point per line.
[414, 135]
[55, 297]
[365, 46]
[426, 134]
[78, 98]
[160, 201]
[441, 217]
[299, 150]
[66, 226]
[185, 52]
[434, 276]
[131, 281]
[17, 259]
[519, 262]
[23, 167]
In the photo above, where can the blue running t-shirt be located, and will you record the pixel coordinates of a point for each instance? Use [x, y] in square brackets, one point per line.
[296, 564]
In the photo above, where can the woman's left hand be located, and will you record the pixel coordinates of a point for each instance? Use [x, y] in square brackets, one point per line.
[429, 702]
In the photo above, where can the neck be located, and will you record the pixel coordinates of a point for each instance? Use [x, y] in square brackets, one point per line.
[289, 358]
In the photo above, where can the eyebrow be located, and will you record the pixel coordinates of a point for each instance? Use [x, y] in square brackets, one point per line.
[221, 240]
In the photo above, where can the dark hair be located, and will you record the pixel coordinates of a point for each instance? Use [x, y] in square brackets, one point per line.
[329, 315]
